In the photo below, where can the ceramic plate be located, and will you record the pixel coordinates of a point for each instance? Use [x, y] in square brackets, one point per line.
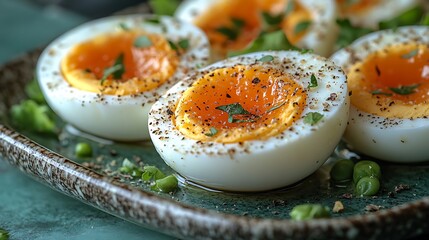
[400, 209]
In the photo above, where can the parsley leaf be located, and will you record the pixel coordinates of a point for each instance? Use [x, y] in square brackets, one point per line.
[32, 89]
[123, 26]
[289, 7]
[142, 42]
[233, 31]
[411, 54]
[164, 7]
[312, 118]
[410, 17]
[267, 41]
[236, 109]
[4, 235]
[183, 43]
[276, 107]
[349, 33]
[405, 90]
[302, 26]
[29, 115]
[379, 92]
[212, 132]
[425, 20]
[117, 70]
[266, 58]
[313, 81]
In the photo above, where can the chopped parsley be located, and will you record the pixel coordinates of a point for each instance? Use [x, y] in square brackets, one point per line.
[29, 115]
[234, 110]
[411, 54]
[380, 92]
[411, 16]
[151, 173]
[232, 32]
[266, 58]
[32, 89]
[181, 44]
[348, 33]
[405, 90]
[117, 70]
[313, 81]
[213, 131]
[276, 107]
[142, 42]
[302, 26]
[153, 20]
[164, 7]
[289, 7]
[274, 41]
[4, 235]
[123, 26]
[312, 118]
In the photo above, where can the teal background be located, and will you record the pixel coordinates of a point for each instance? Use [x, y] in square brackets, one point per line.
[29, 209]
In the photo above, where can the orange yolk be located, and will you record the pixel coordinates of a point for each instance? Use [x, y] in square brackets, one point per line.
[146, 67]
[272, 102]
[223, 13]
[382, 74]
[354, 7]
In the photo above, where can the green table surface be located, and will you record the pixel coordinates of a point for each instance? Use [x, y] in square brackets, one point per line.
[29, 209]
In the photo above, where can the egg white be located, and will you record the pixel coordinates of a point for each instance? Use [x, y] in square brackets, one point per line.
[258, 165]
[390, 139]
[121, 118]
[321, 35]
[380, 11]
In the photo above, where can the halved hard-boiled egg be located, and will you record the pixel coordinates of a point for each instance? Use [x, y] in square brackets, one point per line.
[388, 75]
[103, 76]
[254, 122]
[233, 25]
[368, 13]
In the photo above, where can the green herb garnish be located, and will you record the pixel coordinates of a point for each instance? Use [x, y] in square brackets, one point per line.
[313, 81]
[425, 20]
[164, 7]
[267, 41]
[302, 26]
[33, 91]
[309, 211]
[181, 44]
[411, 54]
[235, 109]
[349, 33]
[29, 115]
[213, 131]
[312, 118]
[142, 42]
[117, 70]
[232, 32]
[276, 107]
[123, 26]
[4, 235]
[266, 58]
[167, 184]
[412, 16]
[153, 20]
[379, 92]
[289, 7]
[152, 173]
[405, 90]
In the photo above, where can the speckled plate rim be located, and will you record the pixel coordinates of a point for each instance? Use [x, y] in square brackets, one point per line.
[177, 219]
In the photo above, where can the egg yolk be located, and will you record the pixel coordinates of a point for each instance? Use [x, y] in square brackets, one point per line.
[392, 82]
[235, 104]
[355, 7]
[233, 25]
[130, 61]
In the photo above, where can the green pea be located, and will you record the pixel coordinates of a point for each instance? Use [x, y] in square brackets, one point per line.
[367, 186]
[83, 149]
[152, 173]
[4, 235]
[342, 170]
[167, 184]
[309, 211]
[366, 169]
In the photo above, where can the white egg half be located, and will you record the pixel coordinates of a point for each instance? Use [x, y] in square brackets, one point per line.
[261, 163]
[320, 35]
[122, 118]
[377, 11]
[387, 138]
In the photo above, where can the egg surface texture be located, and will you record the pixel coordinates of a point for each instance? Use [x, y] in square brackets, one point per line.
[252, 123]
[103, 76]
[388, 75]
[368, 13]
[233, 25]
